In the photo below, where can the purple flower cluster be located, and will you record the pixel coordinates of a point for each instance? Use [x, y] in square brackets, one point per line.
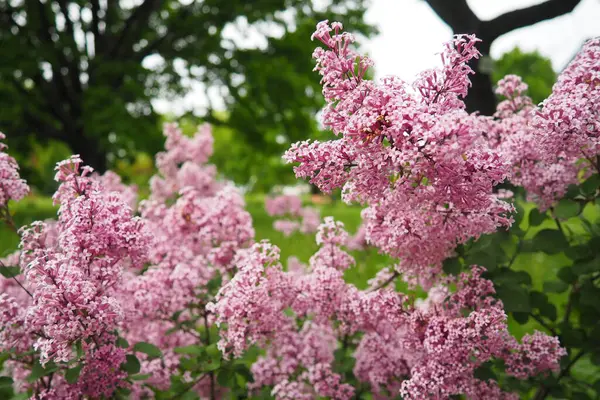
[410, 152]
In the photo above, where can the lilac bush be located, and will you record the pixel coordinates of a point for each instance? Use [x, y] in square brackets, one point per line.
[173, 296]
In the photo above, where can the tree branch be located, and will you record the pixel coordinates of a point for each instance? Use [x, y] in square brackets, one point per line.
[524, 17]
[456, 14]
[95, 28]
[138, 18]
[47, 27]
[73, 68]
[386, 282]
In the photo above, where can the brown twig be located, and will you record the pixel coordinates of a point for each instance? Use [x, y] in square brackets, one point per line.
[543, 391]
[387, 282]
[16, 280]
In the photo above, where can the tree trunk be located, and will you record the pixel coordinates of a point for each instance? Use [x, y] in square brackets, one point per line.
[89, 150]
[461, 19]
[481, 96]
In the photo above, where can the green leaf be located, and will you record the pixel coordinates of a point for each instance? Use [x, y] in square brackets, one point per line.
[579, 252]
[214, 284]
[550, 241]
[515, 298]
[518, 215]
[78, 349]
[572, 192]
[484, 372]
[590, 185]
[538, 299]
[521, 317]
[243, 370]
[555, 286]
[580, 396]
[140, 377]
[597, 386]
[148, 348]
[123, 393]
[507, 276]
[213, 360]
[588, 317]
[5, 381]
[452, 266]
[213, 351]
[9, 272]
[483, 243]
[72, 374]
[590, 295]
[122, 343]
[586, 267]
[571, 337]
[211, 365]
[485, 259]
[193, 349]
[38, 371]
[549, 311]
[132, 364]
[224, 377]
[188, 364]
[567, 275]
[566, 209]
[536, 217]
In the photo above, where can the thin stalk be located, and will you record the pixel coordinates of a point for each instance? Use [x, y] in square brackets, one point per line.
[543, 391]
[387, 282]
[211, 373]
[16, 280]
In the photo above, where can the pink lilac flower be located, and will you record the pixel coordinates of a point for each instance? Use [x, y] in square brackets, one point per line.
[432, 349]
[200, 225]
[551, 146]
[112, 183]
[73, 279]
[294, 216]
[12, 187]
[409, 152]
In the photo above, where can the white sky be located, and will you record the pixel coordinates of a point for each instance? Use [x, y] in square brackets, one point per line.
[411, 35]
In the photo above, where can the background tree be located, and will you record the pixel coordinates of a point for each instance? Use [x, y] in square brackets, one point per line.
[461, 19]
[535, 69]
[78, 72]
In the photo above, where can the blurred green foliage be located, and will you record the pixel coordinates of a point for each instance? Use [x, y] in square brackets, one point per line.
[85, 73]
[535, 69]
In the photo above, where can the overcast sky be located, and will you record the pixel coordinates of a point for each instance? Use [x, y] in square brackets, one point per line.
[411, 35]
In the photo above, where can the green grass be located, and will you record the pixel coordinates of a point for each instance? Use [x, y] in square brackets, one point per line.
[304, 246]
[24, 212]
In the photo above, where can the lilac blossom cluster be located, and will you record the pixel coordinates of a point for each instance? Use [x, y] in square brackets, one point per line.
[294, 216]
[551, 146]
[12, 187]
[101, 276]
[426, 350]
[409, 151]
[70, 294]
[199, 224]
